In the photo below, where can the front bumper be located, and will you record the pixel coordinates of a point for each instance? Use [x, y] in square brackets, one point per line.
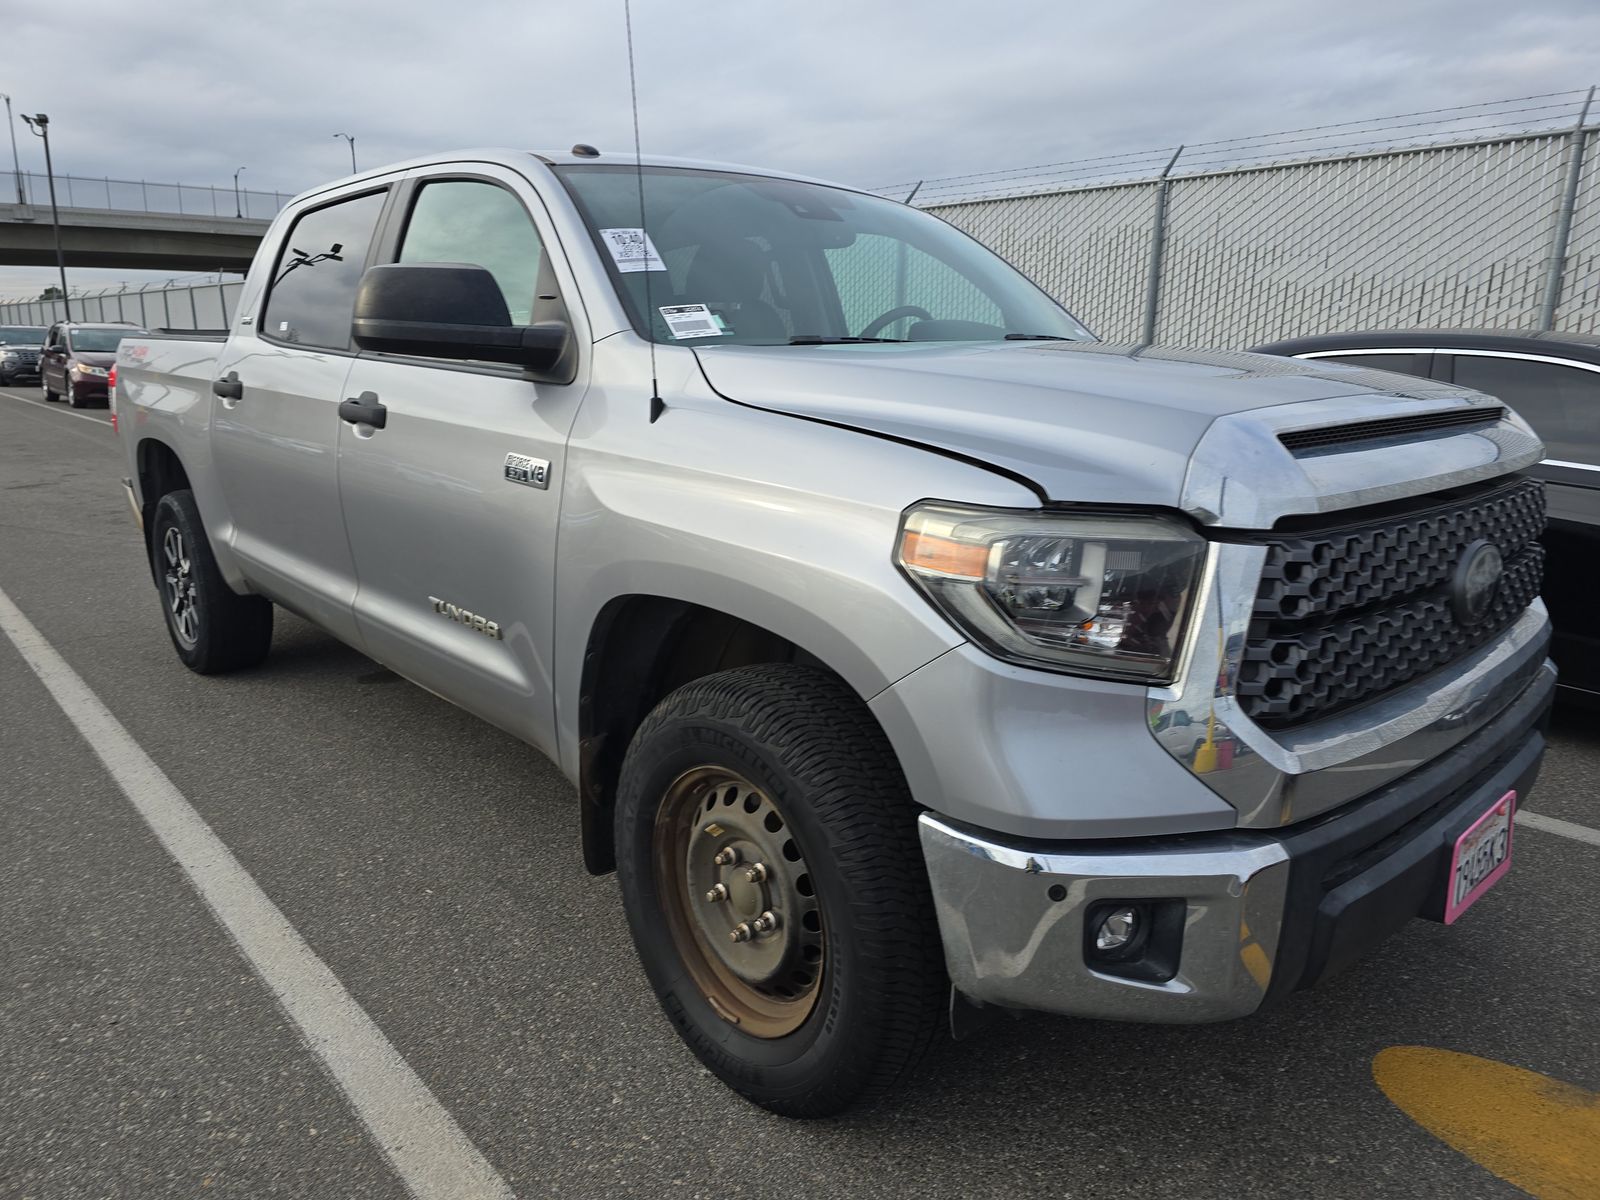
[88, 387]
[1261, 914]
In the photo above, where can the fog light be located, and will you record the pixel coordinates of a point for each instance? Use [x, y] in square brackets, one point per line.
[1117, 929]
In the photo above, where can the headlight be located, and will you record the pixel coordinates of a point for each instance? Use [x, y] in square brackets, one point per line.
[1093, 595]
[83, 369]
[9, 354]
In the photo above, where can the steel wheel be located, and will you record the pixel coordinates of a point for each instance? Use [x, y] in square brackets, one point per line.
[183, 608]
[739, 901]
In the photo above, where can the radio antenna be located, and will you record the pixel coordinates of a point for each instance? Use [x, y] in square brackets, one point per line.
[657, 405]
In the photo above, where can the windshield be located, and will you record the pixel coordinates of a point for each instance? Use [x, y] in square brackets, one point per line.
[99, 341]
[756, 261]
[22, 335]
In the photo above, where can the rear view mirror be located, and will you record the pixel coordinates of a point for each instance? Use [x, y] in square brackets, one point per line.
[456, 311]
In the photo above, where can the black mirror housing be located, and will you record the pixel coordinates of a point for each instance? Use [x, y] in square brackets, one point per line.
[455, 311]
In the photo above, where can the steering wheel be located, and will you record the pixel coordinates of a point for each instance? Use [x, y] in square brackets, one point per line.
[878, 324]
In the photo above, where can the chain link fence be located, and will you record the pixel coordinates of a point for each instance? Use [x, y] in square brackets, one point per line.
[1500, 231]
[208, 305]
[1484, 215]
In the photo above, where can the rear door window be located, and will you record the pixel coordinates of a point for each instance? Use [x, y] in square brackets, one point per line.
[313, 290]
[1561, 402]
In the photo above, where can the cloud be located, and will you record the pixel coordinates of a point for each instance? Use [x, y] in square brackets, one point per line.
[867, 93]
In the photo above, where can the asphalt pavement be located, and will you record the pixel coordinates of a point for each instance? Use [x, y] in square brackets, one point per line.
[431, 862]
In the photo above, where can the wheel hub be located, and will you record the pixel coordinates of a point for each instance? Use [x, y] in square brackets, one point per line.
[181, 586]
[741, 902]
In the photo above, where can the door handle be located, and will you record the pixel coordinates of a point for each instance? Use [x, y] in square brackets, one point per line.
[364, 410]
[228, 387]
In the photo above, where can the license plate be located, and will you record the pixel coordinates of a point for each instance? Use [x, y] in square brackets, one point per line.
[1482, 854]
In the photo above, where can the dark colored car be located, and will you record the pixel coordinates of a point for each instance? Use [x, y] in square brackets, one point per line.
[1553, 381]
[77, 360]
[19, 353]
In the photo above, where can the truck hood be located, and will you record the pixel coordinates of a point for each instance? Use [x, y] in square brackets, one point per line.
[1082, 421]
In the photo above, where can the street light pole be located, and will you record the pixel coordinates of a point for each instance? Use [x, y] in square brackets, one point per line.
[351, 139]
[16, 163]
[40, 125]
[238, 209]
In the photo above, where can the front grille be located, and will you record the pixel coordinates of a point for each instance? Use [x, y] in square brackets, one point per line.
[1342, 617]
[1327, 437]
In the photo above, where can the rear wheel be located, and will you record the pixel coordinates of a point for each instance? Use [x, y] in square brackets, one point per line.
[213, 628]
[44, 386]
[773, 881]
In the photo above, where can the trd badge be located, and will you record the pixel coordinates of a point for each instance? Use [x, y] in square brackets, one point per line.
[530, 472]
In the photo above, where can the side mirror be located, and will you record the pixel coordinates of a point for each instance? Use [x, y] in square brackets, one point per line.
[456, 311]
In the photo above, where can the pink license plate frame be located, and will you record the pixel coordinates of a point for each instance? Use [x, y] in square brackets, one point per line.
[1469, 841]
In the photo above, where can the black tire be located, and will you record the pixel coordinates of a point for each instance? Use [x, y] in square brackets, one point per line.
[802, 737]
[228, 631]
[49, 396]
[71, 394]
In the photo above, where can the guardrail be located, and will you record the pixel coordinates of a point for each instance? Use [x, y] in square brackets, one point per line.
[140, 195]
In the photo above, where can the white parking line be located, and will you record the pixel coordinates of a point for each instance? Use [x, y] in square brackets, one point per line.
[433, 1157]
[66, 412]
[1566, 829]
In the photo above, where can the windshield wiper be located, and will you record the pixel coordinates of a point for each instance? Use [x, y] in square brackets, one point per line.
[1038, 337]
[817, 339]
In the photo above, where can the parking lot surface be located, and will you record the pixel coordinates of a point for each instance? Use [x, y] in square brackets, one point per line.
[431, 863]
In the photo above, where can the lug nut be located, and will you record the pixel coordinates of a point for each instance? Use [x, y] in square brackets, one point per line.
[756, 872]
[740, 932]
[766, 922]
[717, 894]
[726, 857]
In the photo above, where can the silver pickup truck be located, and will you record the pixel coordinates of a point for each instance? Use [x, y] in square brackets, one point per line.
[912, 653]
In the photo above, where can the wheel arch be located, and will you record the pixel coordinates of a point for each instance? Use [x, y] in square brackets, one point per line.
[640, 648]
[160, 471]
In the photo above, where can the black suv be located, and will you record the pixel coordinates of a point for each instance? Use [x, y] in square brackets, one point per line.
[1553, 381]
[19, 353]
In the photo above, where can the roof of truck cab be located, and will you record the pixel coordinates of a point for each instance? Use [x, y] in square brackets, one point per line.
[518, 159]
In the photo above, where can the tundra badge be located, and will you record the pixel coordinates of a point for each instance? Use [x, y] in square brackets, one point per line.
[461, 616]
[530, 472]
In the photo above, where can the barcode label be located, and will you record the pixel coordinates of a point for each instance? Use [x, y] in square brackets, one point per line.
[690, 321]
[632, 250]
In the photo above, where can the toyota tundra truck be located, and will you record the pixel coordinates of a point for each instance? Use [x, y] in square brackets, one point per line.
[913, 654]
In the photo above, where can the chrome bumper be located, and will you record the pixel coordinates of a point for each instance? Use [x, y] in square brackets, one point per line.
[1009, 942]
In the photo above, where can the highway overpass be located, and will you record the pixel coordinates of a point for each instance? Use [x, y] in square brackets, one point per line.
[132, 224]
[128, 240]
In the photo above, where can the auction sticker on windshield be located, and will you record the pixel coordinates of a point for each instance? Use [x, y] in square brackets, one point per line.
[1482, 855]
[691, 321]
[632, 250]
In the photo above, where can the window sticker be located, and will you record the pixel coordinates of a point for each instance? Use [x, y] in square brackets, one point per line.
[691, 321]
[632, 250]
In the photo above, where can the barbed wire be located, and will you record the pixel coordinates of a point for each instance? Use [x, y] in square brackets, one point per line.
[31, 292]
[1518, 114]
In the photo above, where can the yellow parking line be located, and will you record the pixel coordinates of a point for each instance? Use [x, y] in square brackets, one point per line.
[1533, 1131]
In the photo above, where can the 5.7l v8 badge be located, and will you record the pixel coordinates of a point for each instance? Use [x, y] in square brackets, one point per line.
[530, 472]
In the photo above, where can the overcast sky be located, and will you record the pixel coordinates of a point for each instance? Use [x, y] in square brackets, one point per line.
[865, 92]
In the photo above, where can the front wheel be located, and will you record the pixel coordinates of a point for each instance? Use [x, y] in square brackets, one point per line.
[774, 885]
[213, 628]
